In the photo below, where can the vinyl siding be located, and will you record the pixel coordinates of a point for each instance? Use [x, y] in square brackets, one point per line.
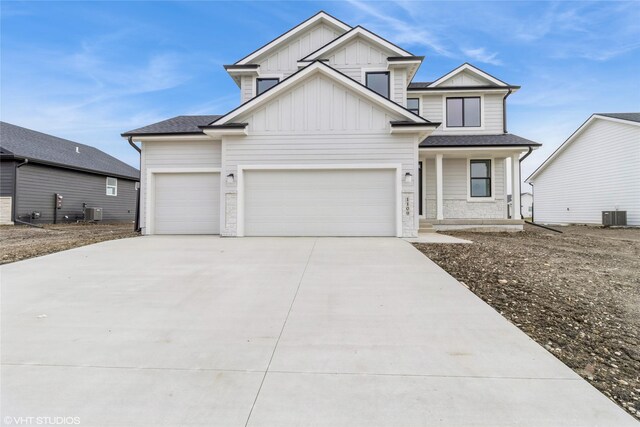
[37, 185]
[356, 55]
[432, 107]
[247, 86]
[7, 173]
[399, 86]
[598, 171]
[176, 154]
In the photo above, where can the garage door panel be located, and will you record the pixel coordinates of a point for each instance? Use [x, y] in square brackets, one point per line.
[354, 202]
[187, 203]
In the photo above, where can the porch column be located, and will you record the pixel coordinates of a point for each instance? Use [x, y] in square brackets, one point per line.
[515, 185]
[439, 198]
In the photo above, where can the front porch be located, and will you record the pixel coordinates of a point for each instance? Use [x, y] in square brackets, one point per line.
[467, 188]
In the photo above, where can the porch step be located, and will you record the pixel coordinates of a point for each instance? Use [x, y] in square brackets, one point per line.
[426, 227]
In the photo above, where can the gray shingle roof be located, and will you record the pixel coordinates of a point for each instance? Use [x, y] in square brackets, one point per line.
[40, 147]
[632, 117]
[419, 85]
[176, 125]
[501, 140]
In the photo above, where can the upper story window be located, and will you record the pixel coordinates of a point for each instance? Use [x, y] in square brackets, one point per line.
[413, 105]
[112, 186]
[378, 81]
[264, 84]
[480, 176]
[463, 112]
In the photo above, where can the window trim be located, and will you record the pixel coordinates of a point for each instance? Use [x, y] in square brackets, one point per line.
[491, 178]
[266, 78]
[445, 112]
[368, 71]
[412, 109]
[115, 187]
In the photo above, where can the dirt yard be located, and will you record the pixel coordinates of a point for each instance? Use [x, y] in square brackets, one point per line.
[577, 294]
[21, 242]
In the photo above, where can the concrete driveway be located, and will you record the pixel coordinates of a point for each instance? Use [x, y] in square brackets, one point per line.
[271, 332]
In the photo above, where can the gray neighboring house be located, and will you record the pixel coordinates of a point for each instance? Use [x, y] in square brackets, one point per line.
[35, 166]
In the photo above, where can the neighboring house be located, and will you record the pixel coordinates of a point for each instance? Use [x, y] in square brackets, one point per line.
[597, 169]
[526, 204]
[34, 167]
[334, 139]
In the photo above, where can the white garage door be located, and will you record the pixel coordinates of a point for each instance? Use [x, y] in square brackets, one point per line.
[187, 203]
[353, 202]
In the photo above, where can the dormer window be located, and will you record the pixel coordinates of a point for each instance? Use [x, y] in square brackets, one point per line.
[264, 84]
[463, 112]
[378, 82]
[413, 105]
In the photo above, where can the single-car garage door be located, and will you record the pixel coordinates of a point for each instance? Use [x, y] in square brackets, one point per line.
[186, 203]
[324, 202]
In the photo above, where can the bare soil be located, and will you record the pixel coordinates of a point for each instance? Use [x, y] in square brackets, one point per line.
[18, 242]
[577, 294]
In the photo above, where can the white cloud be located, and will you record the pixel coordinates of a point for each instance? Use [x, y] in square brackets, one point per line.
[481, 55]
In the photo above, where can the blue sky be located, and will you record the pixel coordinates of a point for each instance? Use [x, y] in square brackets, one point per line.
[88, 71]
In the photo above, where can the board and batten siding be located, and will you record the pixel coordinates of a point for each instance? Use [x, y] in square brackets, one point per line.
[455, 183]
[183, 154]
[37, 185]
[358, 55]
[432, 109]
[598, 171]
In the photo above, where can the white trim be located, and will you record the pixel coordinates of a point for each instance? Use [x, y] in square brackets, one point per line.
[319, 67]
[472, 69]
[571, 138]
[151, 188]
[493, 180]
[439, 187]
[177, 137]
[339, 166]
[115, 187]
[469, 89]
[471, 148]
[292, 32]
[463, 128]
[355, 32]
[219, 133]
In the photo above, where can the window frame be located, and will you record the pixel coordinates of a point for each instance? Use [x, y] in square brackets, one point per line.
[259, 79]
[366, 80]
[446, 111]
[490, 177]
[413, 109]
[115, 187]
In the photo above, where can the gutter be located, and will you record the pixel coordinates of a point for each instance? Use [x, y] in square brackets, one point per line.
[504, 112]
[136, 225]
[15, 190]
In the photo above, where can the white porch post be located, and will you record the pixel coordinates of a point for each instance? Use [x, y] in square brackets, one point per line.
[439, 187]
[515, 185]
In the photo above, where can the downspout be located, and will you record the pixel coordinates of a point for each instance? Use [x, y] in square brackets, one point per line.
[15, 190]
[136, 225]
[504, 111]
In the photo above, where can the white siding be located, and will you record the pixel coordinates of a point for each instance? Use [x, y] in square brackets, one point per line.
[432, 108]
[598, 171]
[284, 60]
[175, 154]
[465, 78]
[455, 182]
[247, 87]
[356, 55]
[399, 86]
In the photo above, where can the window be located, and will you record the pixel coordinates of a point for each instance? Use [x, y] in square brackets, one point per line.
[112, 186]
[413, 105]
[379, 82]
[264, 84]
[480, 175]
[463, 112]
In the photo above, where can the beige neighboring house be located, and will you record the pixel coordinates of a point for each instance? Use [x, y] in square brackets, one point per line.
[334, 138]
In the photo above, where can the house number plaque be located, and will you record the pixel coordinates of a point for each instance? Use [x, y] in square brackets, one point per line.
[407, 206]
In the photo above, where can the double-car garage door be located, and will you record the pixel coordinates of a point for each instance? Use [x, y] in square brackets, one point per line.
[282, 202]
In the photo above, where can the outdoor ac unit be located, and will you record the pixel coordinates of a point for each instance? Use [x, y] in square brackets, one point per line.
[93, 214]
[610, 218]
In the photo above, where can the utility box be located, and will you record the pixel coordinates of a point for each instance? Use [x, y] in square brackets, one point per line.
[58, 200]
[611, 218]
[93, 214]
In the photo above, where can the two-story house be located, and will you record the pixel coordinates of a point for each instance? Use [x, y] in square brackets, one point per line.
[332, 138]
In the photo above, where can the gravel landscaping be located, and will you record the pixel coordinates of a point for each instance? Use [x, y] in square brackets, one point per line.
[18, 242]
[577, 294]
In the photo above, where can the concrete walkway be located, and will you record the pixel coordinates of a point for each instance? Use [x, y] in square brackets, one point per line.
[436, 238]
[204, 331]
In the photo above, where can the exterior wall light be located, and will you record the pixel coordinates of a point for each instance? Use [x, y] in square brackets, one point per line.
[230, 178]
[408, 178]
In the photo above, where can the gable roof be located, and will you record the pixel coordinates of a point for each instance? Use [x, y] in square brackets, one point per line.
[350, 35]
[314, 67]
[628, 118]
[180, 125]
[22, 143]
[471, 68]
[320, 16]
